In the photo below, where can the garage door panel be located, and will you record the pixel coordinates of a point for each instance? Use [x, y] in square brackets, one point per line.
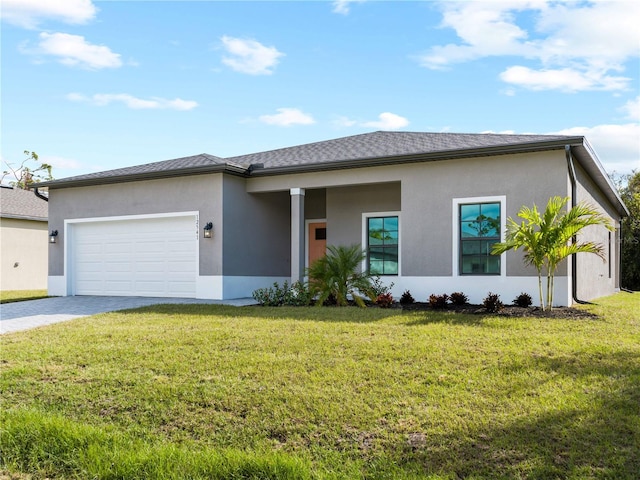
[118, 287]
[119, 267]
[116, 248]
[148, 257]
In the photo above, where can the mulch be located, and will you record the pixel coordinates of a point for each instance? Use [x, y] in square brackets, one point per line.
[506, 311]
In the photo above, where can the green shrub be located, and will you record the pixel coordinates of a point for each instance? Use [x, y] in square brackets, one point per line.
[337, 275]
[378, 288]
[297, 294]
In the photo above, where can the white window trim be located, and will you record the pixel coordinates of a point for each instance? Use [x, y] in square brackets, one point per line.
[456, 230]
[367, 215]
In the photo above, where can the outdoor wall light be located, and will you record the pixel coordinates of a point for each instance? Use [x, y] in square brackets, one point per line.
[208, 230]
[53, 236]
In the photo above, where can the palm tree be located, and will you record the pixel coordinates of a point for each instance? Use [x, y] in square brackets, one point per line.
[337, 275]
[548, 238]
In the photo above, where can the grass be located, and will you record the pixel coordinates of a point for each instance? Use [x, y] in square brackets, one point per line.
[208, 391]
[8, 296]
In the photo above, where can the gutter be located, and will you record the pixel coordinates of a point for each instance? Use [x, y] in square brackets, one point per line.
[574, 259]
[83, 182]
[39, 195]
[411, 158]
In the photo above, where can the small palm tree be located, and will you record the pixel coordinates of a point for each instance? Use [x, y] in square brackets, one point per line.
[550, 237]
[337, 275]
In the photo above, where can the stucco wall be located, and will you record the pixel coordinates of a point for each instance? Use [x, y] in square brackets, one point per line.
[345, 206]
[429, 189]
[315, 204]
[597, 277]
[426, 192]
[257, 240]
[23, 257]
[202, 193]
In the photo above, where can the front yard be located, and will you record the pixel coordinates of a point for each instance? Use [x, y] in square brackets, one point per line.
[207, 391]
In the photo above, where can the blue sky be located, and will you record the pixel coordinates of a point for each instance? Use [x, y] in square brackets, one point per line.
[96, 85]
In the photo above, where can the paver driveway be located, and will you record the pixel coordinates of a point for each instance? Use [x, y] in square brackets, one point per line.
[34, 313]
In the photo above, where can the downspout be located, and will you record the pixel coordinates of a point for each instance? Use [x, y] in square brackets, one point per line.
[39, 195]
[574, 260]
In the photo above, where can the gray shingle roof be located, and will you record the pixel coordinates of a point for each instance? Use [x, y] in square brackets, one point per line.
[384, 145]
[367, 147]
[17, 203]
[176, 164]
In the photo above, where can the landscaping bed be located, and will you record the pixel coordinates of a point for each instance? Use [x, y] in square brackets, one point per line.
[506, 311]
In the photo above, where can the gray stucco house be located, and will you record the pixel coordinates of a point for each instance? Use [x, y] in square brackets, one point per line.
[142, 230]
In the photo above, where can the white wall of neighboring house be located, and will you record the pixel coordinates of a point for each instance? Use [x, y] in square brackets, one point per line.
[23, 254]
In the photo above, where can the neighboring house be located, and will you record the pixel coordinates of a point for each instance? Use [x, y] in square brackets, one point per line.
[410, 200]
[23, 240]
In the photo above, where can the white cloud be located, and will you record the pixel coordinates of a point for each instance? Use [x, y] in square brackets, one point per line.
[342, 6]
[569, 41]
[564, 79]
[155, 103]
[75, 51]
[287, 117]
[29, 13]
[617, 146]
[388, 121]
[250, 56]
[341, 121]
[632, 109]
[61, 163]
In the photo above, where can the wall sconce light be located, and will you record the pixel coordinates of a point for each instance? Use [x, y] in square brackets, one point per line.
[208, 230]
[53, 236]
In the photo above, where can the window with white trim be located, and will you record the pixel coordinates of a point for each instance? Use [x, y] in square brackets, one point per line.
[382, 244]
[479, 229]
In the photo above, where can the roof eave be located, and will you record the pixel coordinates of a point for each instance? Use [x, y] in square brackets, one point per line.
[232, 169]
[597, 172]
[24, 217]
[420, 157]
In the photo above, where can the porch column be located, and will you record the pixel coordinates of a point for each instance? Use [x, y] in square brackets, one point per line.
[297, 234]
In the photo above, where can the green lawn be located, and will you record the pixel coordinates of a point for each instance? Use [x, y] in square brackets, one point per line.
[7, 296]
[197, 391]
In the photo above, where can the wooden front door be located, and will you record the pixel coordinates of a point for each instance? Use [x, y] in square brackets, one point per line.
[317, 235]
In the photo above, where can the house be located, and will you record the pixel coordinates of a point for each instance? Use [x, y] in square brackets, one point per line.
[23, 240]
[210, 227]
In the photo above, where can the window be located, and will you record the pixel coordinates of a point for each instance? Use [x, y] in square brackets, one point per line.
[382, 245]
[479, 229]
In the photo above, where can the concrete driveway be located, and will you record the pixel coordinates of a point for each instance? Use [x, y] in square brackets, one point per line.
[35, 313]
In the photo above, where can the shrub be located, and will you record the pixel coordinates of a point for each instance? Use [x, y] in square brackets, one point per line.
[338, 275]
[296, 294]
[492, 303]
[523, 300]
[378, 288]
[270, 296]
[459, 298]
[384, 300]
[407, 298]
[438, 301]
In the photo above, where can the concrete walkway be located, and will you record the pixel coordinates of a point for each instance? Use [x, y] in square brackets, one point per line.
[35, 313]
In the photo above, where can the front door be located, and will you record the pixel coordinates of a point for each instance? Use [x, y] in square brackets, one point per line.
[317, 235]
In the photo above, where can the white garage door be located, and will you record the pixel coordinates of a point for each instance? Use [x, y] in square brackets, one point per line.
[154, 257]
